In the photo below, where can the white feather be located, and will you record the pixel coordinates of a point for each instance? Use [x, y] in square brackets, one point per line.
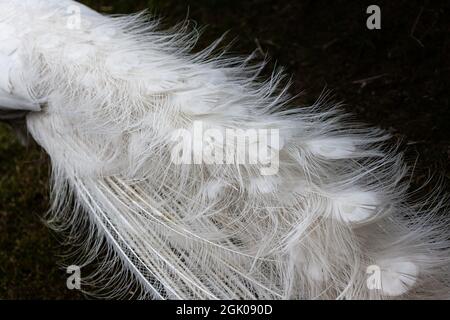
[106, 99]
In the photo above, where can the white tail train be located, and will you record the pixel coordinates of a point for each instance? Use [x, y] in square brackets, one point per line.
[104, 96]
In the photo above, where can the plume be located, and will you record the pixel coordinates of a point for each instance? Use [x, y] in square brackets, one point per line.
[323, 212]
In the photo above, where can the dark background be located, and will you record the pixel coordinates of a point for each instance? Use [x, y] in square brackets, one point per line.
[397, 78]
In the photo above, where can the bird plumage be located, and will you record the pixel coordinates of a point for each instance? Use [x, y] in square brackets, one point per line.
[104, 98]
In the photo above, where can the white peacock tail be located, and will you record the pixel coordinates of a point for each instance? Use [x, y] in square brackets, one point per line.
[110, 99]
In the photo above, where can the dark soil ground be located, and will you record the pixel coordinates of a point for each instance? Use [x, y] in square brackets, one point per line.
[397, 78]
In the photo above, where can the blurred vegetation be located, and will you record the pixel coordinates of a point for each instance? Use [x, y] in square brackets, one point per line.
[397, 78]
